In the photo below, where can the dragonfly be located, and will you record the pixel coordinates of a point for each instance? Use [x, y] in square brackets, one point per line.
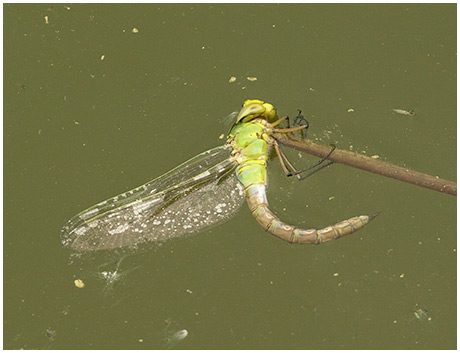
[204, 191]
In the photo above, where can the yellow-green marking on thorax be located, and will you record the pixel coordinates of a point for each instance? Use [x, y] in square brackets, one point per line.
[250, 140]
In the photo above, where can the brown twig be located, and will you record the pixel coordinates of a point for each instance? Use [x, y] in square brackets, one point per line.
[369, 164]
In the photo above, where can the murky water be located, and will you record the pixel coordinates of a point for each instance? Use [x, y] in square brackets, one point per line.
[99, 99]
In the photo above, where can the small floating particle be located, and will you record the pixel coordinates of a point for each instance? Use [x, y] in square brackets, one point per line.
[232, 79]
[375, 156]
[421, 314]
[336, 274]
[351, 110]
[141, 340]
[221, 136]
[331, 198]
[174, 338]
[102, 57]
[51, 334]
[251, 78]
[180, 335]
[135, 30]
[188, 291]
[79, 283]
[404, 112]
[46, 20]
[401, 275]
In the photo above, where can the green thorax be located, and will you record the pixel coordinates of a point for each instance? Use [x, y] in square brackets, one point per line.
[251, 143]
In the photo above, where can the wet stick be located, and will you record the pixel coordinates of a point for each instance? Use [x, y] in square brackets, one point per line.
[370, 164]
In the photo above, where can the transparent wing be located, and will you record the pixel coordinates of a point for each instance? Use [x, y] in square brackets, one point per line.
[198, 194]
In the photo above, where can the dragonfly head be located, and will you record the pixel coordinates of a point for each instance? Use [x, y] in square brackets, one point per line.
[254, 108]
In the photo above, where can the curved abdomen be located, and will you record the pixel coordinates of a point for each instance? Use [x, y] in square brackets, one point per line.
[258, 204]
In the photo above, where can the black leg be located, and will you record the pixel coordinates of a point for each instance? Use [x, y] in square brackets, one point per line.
[313, 166]
[300, 120]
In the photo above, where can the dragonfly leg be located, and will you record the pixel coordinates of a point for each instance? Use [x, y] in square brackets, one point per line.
[292, 129]
[279, 121]
[282, 158]
[297, 121]
[315, 165]
[314, 172]
[300, 119]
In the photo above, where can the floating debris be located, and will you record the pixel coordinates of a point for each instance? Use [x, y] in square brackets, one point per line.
[404, 112]
[171, 334]
[79, 283]
[51, 334]
[422, 315]
[221, 136]
[232, 79]
[375, 156]
[135, 30]
[251, 78]
[102, 57]
[113, 275]
[176, 338]
[351, 110]
[46, 20]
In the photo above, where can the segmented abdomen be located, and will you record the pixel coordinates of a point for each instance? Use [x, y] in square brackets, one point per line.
[258, 204]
